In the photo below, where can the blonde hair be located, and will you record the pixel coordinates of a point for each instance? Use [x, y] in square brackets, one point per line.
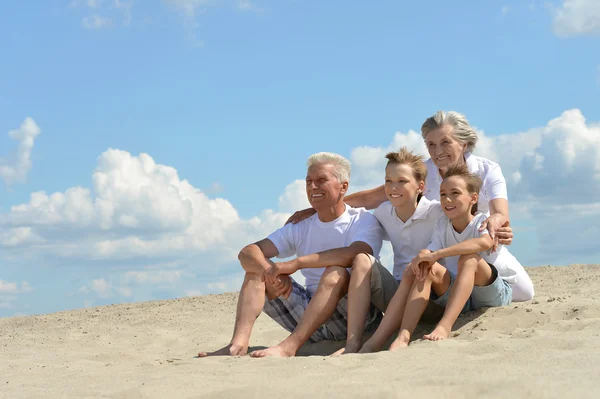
[462, 131]
[472, 180]
[341, 165]
[406, 157]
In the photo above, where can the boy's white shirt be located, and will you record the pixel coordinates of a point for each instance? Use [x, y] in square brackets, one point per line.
[493, 181]
[311, 236]
[410, 237]
[445, 236]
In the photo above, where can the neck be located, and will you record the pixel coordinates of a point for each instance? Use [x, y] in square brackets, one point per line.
[461, 223]
[406, 211]
[444, 170]
[329, 214]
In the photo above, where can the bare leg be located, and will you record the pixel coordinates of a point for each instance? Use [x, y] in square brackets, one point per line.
[332, 287]
[439, 280]
[250, 303]
[472, 270]
[359, 301]
[392, 316]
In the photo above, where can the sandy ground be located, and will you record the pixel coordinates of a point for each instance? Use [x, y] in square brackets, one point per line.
[546, 348]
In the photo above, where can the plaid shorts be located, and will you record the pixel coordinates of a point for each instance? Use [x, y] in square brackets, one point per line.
[288, 313]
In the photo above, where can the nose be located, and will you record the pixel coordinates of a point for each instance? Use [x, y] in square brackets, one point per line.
[438, 150]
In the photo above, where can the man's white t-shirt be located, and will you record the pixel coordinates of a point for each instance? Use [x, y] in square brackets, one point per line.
[410, 237]
[312, 235]
[445, 236]
[493, 187]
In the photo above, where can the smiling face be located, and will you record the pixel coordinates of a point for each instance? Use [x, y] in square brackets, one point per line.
[444, 149]
[323, 189]
[455, 197]
[401, 187]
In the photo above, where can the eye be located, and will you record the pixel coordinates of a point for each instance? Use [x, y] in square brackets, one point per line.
[443, 195]
[388, 181]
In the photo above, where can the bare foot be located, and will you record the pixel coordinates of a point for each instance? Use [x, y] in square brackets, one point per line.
[348, 349]
[229, 350]
[398, 344]
[366, 348]
[274, 351]
[439, 333]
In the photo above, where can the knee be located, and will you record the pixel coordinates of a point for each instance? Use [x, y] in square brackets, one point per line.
[468, 261]
[362, 263]
[334, 275]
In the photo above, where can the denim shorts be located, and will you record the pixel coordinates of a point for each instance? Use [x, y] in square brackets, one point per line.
[498, 293]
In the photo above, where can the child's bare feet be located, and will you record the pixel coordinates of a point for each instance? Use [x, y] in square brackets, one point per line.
[398, 344]
[350, 348]
[229, 350]
[274, 351]
[439, 333]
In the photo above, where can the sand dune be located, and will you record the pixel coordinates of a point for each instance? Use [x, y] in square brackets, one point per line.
[546, 348]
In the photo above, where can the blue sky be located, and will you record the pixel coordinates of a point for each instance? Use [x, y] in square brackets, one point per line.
[143, 143]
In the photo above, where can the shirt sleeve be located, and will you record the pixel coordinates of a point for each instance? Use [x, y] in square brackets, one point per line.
[380, 214]
[285, 239]
[370, 232]
[494, 184]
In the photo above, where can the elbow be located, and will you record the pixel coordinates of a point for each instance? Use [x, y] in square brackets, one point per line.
[245, 255]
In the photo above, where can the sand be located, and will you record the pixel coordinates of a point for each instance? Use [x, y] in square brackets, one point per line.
[545, 348]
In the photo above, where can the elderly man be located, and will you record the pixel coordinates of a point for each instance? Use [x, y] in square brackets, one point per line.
[325, 245]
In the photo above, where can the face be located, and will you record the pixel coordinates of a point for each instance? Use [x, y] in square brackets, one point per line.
[444, 149]
[455, 197]
[322, 187]
[401, 187]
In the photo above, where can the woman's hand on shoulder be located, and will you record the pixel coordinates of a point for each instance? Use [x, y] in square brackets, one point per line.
[499, 229]
[299, 216]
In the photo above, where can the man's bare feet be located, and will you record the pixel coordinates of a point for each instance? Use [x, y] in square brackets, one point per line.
[229, 350]
[274, 351]
[439, 333]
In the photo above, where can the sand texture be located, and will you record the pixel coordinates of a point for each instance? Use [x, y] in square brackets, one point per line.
[546, 348]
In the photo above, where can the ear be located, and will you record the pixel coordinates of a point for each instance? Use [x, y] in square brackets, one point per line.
[474, 198]
[344, 188]
[421, 186]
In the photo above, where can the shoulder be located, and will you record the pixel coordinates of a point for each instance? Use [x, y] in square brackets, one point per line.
[481, 165]
[479, 219]
[383, 210]
[360, 214]
[434, 210]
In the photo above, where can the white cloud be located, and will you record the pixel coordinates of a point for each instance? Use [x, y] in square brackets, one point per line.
[7, 287]
[101, 14]
[505, 9]
[577, 17]
[153, 276]
[294, 197]
[16, 166]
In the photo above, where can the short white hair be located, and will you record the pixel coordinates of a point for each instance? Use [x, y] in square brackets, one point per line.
[463, 132]
[341, 165]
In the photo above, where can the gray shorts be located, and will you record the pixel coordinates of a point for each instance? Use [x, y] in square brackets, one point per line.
[498, 293]
[287, 312]
[384, 286]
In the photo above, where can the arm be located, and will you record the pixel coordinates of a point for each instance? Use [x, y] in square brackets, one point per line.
[369, 199]
[332, 257]
[255, 258]
[422, 263]
[498, 224]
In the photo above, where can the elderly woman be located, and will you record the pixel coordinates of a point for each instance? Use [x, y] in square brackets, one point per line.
[450, 139]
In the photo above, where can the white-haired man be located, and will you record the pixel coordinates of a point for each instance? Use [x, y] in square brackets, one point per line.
[325, 245]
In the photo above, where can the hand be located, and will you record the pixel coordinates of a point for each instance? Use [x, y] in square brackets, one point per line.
[299, 216]
[495, 224]
[422, 263]
[278, 269]
[283, 286]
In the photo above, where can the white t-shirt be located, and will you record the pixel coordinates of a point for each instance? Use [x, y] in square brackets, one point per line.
[445, 236]
[311, 236]
[408, 238]
[493, 187]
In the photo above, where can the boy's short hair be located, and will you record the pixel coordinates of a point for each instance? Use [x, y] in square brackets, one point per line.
[406, 157]
[473, 181]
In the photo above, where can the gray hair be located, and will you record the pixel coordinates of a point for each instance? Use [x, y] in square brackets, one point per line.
[463, 132]
[340, 164]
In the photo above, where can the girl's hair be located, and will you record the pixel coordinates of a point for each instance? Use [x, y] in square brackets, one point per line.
[473, 181]
[461, 128]
[342, 166]
[406, 157]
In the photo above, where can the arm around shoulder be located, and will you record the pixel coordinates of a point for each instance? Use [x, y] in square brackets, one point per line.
[369, 199]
